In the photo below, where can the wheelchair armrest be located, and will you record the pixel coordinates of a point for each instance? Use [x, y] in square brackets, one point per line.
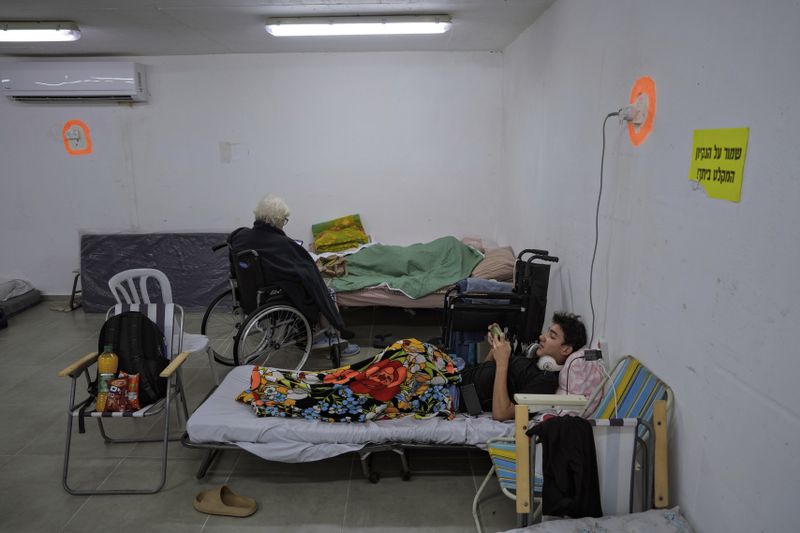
[174, 364]
[548, 258]
[78, 366]
[539, 402]
[533, 251]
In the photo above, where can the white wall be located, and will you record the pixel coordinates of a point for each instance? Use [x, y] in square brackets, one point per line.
[704, 291]
[411, 141]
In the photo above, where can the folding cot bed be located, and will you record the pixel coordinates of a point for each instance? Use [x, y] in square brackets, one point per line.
[221, 423]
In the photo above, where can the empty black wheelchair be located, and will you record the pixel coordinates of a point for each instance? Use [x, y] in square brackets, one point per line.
[520, 311]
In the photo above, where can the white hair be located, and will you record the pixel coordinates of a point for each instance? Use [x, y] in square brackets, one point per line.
[272, 210]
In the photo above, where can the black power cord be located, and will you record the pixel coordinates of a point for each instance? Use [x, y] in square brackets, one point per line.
[597, 223]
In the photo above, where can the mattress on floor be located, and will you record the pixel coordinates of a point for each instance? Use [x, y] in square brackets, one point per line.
[221, 419]
[19, 303]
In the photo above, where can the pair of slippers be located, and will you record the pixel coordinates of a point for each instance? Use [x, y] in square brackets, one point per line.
[223, 501]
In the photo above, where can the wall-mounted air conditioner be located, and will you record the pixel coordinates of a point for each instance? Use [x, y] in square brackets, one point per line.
[74, 81]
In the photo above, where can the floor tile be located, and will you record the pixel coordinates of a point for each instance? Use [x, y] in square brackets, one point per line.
[11, 376]
[52, 437]
[32, 497]
[285, 494]
[5, 459]
[430, 503]
[496, 511]
[49, 346]
[169, 510]
[34, 422]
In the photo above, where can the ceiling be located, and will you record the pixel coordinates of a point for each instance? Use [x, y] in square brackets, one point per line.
[187, 27]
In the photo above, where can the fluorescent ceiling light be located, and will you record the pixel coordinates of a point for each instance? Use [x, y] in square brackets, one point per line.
[377, 25]
[34, 32]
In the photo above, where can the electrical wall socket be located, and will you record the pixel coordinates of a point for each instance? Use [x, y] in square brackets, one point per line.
[592, 355]
[602, 345]
[640, 110]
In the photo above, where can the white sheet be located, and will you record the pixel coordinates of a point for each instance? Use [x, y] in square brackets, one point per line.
[222, 419]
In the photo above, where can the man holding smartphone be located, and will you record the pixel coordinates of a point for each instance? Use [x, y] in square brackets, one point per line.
[500, 376]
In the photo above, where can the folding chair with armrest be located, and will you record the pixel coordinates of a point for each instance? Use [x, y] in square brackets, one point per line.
[169, 318]
[623, 430]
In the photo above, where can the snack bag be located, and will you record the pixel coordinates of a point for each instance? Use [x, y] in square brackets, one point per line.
[117, 395]
[133, 390]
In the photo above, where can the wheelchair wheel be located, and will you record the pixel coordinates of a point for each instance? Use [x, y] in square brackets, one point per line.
[273, 335]
[220, 324]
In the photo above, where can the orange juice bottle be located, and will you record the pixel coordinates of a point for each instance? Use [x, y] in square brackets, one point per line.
[106, 371]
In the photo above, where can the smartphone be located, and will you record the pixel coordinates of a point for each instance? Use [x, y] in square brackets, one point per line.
[469, 395]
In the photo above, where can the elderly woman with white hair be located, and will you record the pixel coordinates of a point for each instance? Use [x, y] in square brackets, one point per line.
[287, 264]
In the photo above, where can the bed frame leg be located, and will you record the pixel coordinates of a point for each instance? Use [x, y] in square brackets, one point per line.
[406, 471]
[366, 466]
[210, 456]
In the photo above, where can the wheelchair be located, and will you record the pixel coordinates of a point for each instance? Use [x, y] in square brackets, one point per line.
[255, 322]
[521, 311]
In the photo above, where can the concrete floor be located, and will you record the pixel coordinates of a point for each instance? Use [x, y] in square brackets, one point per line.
[329, 495]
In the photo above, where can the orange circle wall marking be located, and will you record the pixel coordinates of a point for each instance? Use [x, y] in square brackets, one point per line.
[85, 137]
[646, 87]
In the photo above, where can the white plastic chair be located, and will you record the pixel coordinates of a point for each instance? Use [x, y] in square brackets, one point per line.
[130, 287]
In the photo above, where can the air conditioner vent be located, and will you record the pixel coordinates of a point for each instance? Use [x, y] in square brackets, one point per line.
[74, 81]
[73, 99]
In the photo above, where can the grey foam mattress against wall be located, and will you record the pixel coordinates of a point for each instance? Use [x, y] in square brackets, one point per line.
[196, 274]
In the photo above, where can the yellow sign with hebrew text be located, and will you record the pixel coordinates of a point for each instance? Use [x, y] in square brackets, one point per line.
[718, 161]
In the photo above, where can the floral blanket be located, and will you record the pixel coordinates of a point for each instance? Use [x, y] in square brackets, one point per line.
[408, 378]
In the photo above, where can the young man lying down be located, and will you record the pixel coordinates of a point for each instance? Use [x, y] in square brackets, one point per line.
[414, 378]
[501, 376]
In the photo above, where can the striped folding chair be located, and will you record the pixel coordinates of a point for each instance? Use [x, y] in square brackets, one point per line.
[622, 426]
[633, 391]
[169, 318]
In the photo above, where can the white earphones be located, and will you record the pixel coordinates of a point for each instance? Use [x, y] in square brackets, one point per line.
[545, 362]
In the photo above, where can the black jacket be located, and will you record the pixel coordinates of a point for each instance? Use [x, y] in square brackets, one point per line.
[289, 265]
[569, 467]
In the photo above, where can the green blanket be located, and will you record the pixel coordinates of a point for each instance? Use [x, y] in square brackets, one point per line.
[416, 270]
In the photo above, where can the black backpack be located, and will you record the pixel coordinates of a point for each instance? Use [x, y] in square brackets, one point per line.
[139, 344]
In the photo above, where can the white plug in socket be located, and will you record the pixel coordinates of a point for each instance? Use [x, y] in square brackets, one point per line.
[627, 113]
[635, 113]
